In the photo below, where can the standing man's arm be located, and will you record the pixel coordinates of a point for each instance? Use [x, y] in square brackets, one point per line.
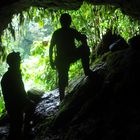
[52, 44]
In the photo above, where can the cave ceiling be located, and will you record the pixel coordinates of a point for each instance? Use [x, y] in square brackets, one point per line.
[10, 7]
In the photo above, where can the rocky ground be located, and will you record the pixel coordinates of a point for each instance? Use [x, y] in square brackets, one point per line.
[47, 107]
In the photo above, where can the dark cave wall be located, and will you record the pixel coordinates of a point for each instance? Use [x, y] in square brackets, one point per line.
[11, 7]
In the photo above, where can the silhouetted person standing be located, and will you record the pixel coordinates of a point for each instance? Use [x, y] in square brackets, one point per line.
[15, 96]
[67, 52]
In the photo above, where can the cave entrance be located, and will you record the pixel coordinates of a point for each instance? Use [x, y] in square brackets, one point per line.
[30, 32]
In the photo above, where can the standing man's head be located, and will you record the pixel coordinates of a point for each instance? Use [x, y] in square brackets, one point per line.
[65, 20]
[13, 59]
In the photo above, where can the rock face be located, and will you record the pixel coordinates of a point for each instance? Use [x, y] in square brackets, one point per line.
[104, 106]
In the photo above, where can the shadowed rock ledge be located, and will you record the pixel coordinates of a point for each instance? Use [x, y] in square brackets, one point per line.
[104, 106]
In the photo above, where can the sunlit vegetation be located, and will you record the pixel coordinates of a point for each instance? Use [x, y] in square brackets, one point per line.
[30, 33]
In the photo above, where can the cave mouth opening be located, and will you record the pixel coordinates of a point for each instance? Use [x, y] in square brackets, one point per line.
[30, 32]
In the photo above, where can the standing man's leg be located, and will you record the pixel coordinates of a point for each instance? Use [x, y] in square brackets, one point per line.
[16, 124]
[85, 64]
[83, 52]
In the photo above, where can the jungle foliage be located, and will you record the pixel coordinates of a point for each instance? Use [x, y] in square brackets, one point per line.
[30, 33]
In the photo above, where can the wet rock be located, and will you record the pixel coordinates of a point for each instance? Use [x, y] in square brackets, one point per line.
[49, 104]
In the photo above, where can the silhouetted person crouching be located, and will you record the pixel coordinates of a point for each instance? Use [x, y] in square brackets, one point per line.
[15, 97]
[67, 52]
